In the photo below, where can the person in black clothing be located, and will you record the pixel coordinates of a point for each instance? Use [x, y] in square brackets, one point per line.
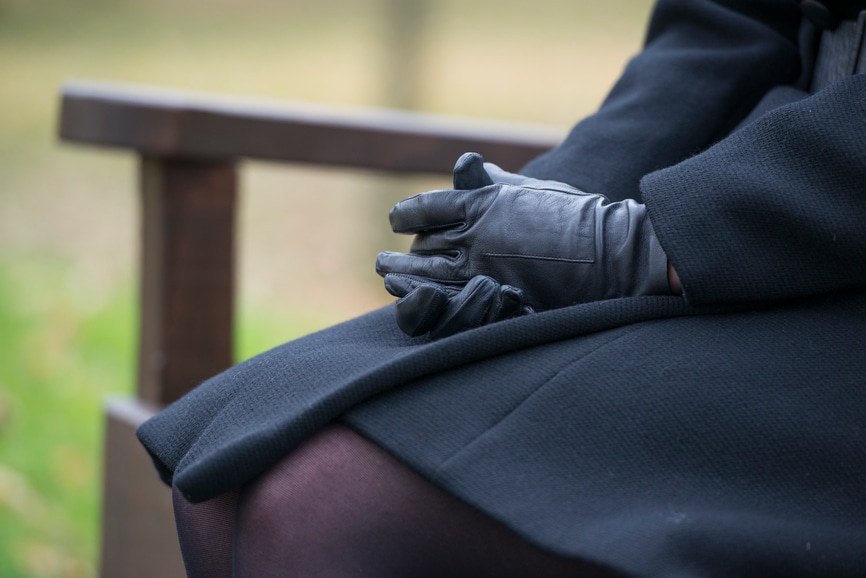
[658, 372]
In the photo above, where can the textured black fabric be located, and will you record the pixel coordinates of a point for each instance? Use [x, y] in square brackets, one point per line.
[705, 65]
[716, 445]
[237, 424]
[720, 436]
[787, 194]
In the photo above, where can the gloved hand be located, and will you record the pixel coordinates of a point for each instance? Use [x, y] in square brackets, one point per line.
[557, 244]
[443, 310]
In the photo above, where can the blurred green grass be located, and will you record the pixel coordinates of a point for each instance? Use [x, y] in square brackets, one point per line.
[68, 215]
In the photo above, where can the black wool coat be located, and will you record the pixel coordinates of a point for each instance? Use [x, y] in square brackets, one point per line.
[722, 433]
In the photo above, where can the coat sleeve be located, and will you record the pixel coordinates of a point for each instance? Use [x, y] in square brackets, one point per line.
[775, 210]
[704, 66]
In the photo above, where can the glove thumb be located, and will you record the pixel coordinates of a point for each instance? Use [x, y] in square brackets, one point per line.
[498, 175]
[469, 172]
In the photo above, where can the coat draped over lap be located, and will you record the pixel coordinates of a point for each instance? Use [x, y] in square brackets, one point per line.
[722, 433]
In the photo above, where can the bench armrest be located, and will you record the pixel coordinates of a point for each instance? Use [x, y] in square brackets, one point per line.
[167, 123]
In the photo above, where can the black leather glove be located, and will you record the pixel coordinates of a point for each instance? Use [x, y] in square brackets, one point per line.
[558, 244]
[443, 310]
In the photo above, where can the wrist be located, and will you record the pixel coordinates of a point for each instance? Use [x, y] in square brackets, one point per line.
[674, 280]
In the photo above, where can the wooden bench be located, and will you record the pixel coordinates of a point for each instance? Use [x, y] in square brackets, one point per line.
[190, 147]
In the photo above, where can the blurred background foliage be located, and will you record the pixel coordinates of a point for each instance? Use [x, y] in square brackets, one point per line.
[68, 215]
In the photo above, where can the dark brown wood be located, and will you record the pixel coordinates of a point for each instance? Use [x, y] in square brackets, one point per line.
[188, 125]
[138, 537]
[187, 284]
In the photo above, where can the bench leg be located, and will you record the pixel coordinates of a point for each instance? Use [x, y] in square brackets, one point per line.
[138, 531]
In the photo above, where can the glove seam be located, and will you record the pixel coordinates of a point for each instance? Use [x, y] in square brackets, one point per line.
[538, 257]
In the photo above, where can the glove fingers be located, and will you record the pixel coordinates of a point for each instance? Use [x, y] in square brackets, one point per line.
[436, 268]
[444, 243]
[400, 285]
[508, 304]
[468, 309]
[420, 309]
[469, 172]
[443, 310]
[498, 175]
[431, 210]
[501, 176]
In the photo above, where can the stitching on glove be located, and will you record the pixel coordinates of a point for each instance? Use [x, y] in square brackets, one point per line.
[538, 258]
[457, 225]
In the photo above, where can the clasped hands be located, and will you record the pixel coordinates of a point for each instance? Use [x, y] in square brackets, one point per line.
[499, 245]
